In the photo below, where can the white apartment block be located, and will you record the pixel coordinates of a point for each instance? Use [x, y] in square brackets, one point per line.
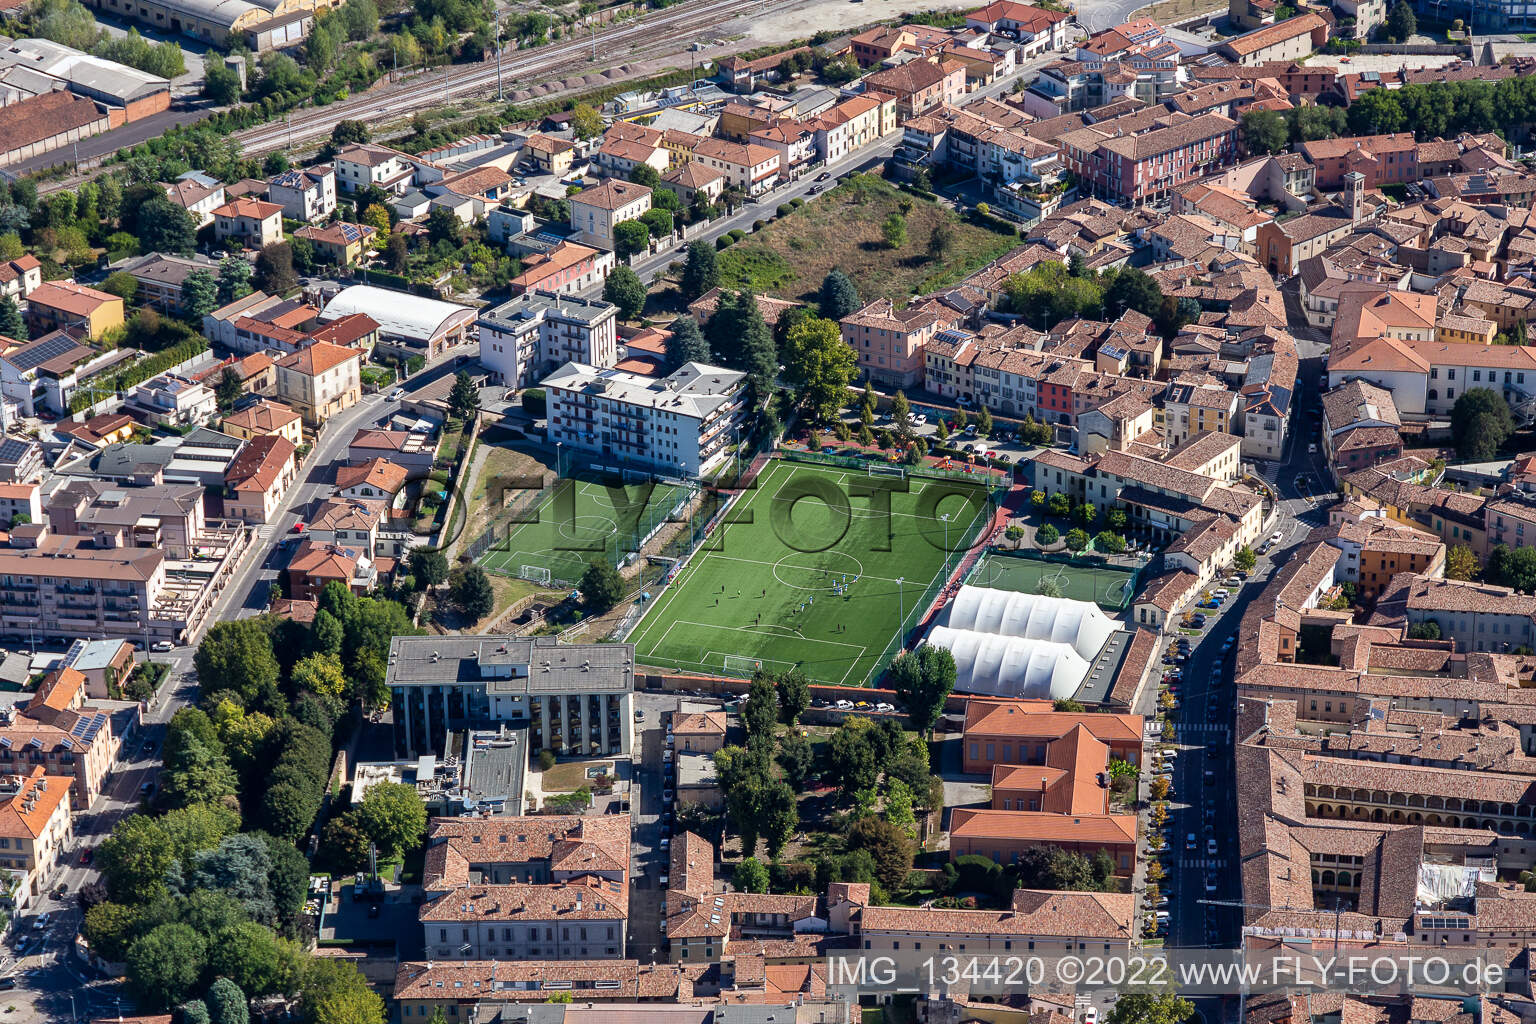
[530, 336]
[678, 425]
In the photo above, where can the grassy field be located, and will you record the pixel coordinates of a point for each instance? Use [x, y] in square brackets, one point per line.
[841, 228]
[1110, 588]
[580, 520]
[768, 588]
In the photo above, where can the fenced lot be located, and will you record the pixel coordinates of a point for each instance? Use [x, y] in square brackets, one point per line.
[809, 569]
[1109, 587]
[574, 521]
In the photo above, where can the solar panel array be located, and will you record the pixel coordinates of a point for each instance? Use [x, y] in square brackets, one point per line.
[35, 355]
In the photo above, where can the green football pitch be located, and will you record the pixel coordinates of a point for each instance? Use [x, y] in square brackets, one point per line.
[577, 521]
[810, 570]
[1108, 587]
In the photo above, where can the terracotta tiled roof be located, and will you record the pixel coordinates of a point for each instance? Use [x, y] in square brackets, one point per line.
[317, 358]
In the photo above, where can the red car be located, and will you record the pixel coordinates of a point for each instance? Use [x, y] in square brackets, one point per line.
[86, 854]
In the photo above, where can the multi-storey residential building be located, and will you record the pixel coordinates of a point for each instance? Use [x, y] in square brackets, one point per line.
[681, 424]
[1360, 426]
[64, 305]
[161, 276]
[198, 198]
[514, 888]
[341, 243]
[1148, 166]
[1291, 39]
[566, 269]
[253, 223]
[792, 140]
[35, 826]
[171, 400]
[19, 276]
[316, 564]
[891, 342]
[1020, 732]
[535, 333]
[374, 480]
[1194, 408]
[358, 167]
[920, 85]
[262, 418]
[1035, 28]
[307, 194]
[68, 587]
[1380, 159]
[595, 211]
[577, 699]
[320, 381]
[1038, 921]
[752, 168]
[259, 477]
[63, 735]
[168, 517]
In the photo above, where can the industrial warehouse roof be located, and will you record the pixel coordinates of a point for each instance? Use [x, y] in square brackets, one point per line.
[398, 314]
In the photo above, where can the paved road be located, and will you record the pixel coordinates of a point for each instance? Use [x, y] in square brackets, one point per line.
[45, 993]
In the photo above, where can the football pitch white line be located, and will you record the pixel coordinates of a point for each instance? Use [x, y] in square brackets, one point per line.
[756, 629]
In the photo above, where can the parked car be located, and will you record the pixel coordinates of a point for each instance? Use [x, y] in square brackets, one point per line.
[163, 646]
[824, 175]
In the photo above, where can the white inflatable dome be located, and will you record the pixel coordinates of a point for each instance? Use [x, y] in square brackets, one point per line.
[1079, 624]
[1011, 666]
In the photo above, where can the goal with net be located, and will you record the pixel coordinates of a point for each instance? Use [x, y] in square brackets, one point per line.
[535, 573]
[741, 664]
[899, 472]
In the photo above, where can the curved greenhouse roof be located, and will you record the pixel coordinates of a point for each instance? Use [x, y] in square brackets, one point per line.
[1011, 666]
[1079, 624]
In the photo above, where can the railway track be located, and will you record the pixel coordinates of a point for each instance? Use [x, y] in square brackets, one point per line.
[671, 25]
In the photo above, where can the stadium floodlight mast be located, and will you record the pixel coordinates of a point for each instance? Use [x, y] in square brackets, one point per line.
[945, 516]
[901, 605]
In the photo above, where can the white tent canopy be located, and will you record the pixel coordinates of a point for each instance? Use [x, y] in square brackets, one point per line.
[1079, 624]
[1010, 666]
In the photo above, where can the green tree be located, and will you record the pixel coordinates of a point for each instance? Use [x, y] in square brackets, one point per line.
[464, 399]
[586, 123]
[1047, 535]
[625, 290]
[162, 226]
[199, 294]
[1245, 559]
[821, 365]
[470, 590]
[601, 586]
[794, 692]
[110, 928]
[838, 296]
[1460, 563]
[740, 338]
[322, 675]
[850, 761]
[658, 222]
[780, 816]
[630, 237]
[700, 271]
[234, 279]
[898, 807]
[750, 876]
[1108, 542]
[274, 269]
[1480, 423]
[686, 343]
[164, 965]
[334, 992]
[394, 817]
[197, 770]
[1133, 289]
[795, 756]
[1150, 1008]
[984, 422]
[376, 216]
[350, 133]
[230, 386]
[1401, 23]
[260, 962]
[429, 568]
[12, 325]
[1265, 131]
[1077, 538]
[122, 284]
[894, 230]
[237, 656]
[1429, 629]
[443, 225]
[221, 84]
[226, 1003]
[923, 679]
[761, 709]
[889, 845]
